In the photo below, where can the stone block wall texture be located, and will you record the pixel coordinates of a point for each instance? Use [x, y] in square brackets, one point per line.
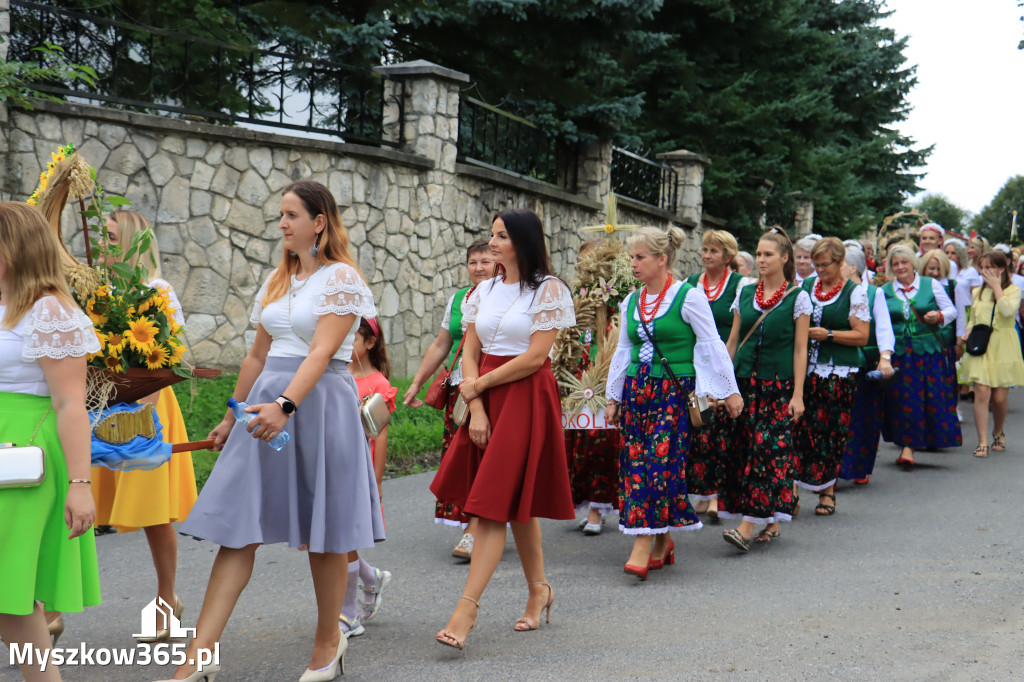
[213, 192]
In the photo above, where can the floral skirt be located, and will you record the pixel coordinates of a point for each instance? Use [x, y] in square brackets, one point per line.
[865, 426]
[820, 437]
[652, 463]
[757, 485]
[594, 466]
[919, 407]
[705, 467]
[446, 512]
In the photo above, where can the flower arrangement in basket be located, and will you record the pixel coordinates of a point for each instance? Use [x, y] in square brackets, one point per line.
[141, 344]
[604, 277]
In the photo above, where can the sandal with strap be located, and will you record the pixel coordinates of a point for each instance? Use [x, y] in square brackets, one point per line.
[736, 539]
[526, 624]
[999, 442]
[448, 639]
[766, 536]
[982, 451]
[825, 509]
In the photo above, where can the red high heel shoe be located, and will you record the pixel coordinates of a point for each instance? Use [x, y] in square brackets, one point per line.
[638, 571]
[669, 558]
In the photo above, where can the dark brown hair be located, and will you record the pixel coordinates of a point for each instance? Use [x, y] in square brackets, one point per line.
[778, 236]
[378, 351]
[998, 260]
[478, 246]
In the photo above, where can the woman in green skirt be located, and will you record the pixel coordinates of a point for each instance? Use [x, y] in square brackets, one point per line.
[47, 548]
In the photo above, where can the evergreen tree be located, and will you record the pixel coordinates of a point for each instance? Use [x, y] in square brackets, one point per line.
[995, 219]
[943, 211]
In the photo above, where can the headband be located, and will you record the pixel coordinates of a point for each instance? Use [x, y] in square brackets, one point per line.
[372, 321]
[933, 226]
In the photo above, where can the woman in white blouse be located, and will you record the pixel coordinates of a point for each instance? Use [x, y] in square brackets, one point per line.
[668, 346]
[319, 492]
[507, 463]
[839, 326]
[44, 339]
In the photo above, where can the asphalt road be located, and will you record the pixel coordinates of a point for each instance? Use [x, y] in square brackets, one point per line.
[917, 577]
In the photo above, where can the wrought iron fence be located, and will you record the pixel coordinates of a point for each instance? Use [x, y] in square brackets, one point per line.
[638, 178]
[150, 69]
[497, 138]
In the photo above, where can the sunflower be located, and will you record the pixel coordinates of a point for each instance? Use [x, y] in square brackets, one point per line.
[113, 362]
[116, 343]
[98, 319]
[157, 357]
[103, 291]
[177, 352]
[141, 334]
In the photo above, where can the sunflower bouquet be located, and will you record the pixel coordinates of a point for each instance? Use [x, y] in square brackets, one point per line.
[136, 328]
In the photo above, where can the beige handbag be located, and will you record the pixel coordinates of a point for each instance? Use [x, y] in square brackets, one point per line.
[24, 466]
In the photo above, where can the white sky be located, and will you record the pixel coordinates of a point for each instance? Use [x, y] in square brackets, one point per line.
[969, 96]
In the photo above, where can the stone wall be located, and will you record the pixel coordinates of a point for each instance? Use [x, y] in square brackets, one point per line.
[213, 193]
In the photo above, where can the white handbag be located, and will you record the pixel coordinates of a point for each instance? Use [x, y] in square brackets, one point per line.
[23, 466]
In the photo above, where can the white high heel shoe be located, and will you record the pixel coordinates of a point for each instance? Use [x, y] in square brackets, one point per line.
[330, 672]
[206, 675]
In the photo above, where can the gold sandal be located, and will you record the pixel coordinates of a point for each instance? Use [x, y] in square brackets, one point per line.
[448, 639]
[529, 623]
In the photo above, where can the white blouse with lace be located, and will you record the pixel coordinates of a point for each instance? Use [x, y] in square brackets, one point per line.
[51, 329]
[858, 310]
[335, 289]
[801, 307]
[714, 368]
[505, 316]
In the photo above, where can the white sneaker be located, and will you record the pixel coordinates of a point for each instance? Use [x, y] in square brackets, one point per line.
[370, 598]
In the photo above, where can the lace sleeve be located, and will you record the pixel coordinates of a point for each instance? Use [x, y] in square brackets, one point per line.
[802, 305]
[859, 304]
[471, 306]
[620, 359]
[257, 307]
[56, 330]
[711, 361]
[164, 287]
[885, 339]
[552, 307]
[344, 293]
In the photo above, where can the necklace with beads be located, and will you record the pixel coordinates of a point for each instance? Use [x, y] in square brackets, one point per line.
[712, 293]
[776, 297]
[652, 307]
[831, 292]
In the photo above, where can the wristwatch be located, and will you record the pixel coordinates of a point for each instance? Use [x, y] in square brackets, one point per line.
[287, 406]
[829, 334]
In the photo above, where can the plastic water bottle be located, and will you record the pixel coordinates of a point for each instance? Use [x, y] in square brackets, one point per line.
[876, 374]
[243, 417]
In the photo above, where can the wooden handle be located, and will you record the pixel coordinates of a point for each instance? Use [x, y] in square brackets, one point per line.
[194, 445]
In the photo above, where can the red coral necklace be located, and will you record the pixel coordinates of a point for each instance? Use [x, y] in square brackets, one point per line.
[652, 307]
[712, 293]
[776, 297]
[831, 292]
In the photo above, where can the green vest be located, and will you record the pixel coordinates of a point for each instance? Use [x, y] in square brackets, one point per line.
[720, 306]
[455, 323]
[769, 352]
[870, 355]
[675, 338]
[921, 339]
[837, 318]
[948, 333]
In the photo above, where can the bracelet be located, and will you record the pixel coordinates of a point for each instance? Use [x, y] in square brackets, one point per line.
[79, 480]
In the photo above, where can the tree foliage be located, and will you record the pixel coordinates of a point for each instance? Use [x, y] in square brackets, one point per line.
[19, 80]
[944, 212]
[995, 219]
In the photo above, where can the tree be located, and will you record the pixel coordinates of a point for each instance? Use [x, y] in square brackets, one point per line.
[943, 211]
[995, 219]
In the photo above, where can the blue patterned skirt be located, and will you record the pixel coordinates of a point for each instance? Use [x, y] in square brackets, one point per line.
[652, 465]
[919, 408]
[866, 425]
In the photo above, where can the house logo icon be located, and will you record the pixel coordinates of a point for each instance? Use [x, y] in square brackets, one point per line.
[159, 609]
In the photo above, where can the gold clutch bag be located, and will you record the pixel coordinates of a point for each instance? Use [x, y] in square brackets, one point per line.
[375, 414]
[460, 411]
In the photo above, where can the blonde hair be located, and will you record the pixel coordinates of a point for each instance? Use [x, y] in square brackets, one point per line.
[938, 254]
[31, 255]
[983, 247]
[129, 224]
[333, 242]
[658, 242]
[900, 251]
[724, 242]
[835, 249]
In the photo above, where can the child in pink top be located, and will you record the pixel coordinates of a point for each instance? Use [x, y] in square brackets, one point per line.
[371, 369]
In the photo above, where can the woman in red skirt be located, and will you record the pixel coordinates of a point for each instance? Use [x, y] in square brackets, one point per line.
[507, 463]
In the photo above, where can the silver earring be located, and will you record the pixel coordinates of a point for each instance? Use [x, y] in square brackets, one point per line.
[314, 250]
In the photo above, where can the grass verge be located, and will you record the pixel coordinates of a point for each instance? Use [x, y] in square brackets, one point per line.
[414, 438]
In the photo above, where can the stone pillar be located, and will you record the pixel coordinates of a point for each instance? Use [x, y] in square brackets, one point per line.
[5, 26]
[5, 147]
[428, 96]
[803, 221]
[689, 167]
[594, 179]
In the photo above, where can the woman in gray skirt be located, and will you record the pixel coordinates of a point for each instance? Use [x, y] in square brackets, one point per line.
[319, 491]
